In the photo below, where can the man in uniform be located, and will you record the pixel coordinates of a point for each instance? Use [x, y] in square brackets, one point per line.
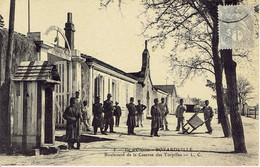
[208, 114]
[179, 114]
[108, 116]
[140, 109]
[73, 117]
[156, 118]
[117, 114]
[164, 113]
[98, 119]
[131, 116]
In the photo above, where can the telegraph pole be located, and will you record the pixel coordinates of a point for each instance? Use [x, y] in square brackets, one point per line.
[28, 16]
[8, 75]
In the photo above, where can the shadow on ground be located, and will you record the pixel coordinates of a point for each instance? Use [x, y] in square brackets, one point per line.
[84, 138]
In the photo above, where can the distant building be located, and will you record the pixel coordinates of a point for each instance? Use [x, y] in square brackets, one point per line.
[172, 98]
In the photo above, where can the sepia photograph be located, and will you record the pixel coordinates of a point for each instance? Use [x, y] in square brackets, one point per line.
[129, 83]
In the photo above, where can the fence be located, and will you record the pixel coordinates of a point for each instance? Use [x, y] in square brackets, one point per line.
[250, 111]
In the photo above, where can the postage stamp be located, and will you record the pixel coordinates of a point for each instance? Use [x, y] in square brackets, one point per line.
[236, 27]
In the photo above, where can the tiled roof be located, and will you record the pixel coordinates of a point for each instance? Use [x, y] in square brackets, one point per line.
[138, 76]
[167, 88]
[156, 88]
[92, 59]
[37, 71]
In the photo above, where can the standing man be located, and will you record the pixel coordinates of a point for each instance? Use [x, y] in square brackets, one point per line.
[179, 114]
[117, 114]
[108, 116]
[73, 117]
[156, 121]
[86, 115]
[131, 116]
[79, 105]
[140, 109]
[208, 114]
[98, 119]
[78, 102]
[164, 113]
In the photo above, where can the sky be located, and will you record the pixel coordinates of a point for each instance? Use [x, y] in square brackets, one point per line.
[113, 36]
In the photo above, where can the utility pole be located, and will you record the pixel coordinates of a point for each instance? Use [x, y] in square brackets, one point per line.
[8, 75]
[28, 16]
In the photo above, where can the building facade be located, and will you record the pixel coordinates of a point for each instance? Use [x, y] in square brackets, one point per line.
[77, 72]
[93, 77]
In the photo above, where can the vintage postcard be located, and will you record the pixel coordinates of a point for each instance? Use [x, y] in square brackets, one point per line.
[129, 83]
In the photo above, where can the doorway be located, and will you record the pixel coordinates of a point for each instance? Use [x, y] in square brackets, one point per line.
[48, 138]
[148, 103]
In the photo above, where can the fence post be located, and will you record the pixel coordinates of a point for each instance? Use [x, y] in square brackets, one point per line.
[255, 112]
[247, 112]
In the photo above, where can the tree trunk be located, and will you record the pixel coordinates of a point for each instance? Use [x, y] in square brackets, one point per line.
[236, 122]
[218, 68]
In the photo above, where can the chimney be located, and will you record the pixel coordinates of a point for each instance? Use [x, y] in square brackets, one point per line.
[146, 57]
[69, 31]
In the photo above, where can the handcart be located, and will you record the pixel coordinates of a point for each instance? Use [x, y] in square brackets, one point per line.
[192, 124]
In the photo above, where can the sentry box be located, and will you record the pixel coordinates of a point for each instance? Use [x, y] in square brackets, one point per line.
[34, 100]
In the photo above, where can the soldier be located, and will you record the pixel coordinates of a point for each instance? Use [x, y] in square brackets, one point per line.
[108, 110]
[164, 113]
[117, 114]
[179, 114]
[73, 117]
[98, 119]
[208, 114]
[156, 120]
[140, 108]
[131, 116]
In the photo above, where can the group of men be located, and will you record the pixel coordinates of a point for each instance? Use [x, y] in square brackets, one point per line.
[159, 111]
[207, 111]
[103, 117]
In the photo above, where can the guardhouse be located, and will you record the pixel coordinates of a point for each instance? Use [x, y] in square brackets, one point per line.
[34, 99]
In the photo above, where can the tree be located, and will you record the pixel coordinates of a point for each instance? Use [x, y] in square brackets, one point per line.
[191, 25]
[244, 88]
[230, 71]
[181, 12]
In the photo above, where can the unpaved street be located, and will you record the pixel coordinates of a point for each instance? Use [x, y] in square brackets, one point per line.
[171, 148]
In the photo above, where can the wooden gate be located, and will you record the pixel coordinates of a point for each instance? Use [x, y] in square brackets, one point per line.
[62, 93]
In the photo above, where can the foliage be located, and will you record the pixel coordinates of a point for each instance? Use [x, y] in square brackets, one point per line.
[181, 23]
[244, 89]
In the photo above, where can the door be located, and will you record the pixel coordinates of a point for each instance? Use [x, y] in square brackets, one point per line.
[48, 138]
[148, 103]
